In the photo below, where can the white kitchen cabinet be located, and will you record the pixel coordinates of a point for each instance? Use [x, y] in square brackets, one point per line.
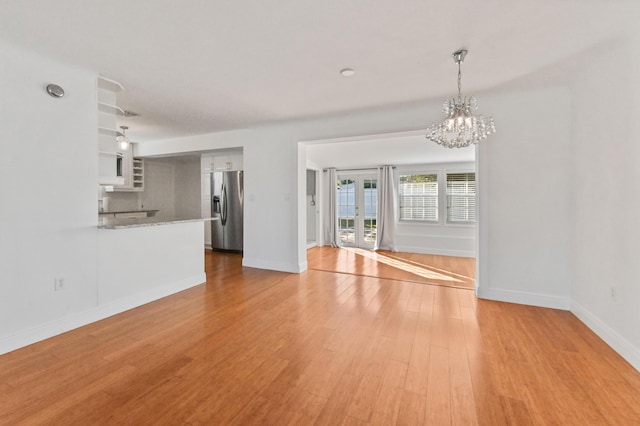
[221, 162]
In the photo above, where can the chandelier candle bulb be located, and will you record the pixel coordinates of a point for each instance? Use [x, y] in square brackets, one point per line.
[461, 128]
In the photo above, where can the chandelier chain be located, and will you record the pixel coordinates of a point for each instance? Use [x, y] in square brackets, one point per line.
[459, 82]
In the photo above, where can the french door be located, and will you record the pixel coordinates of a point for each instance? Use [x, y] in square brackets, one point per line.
[357, 205]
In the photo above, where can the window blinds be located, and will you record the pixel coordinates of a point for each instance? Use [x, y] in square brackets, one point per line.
[461, 197]
[418, 196]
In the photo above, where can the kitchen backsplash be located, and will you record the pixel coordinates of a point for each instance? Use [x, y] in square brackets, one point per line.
[118, 201]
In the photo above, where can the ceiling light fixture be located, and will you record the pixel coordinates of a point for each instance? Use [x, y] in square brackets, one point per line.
[347, 72]
[461, 128]
[123, 140]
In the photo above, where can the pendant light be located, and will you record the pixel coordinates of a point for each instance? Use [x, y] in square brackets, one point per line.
[123, 140]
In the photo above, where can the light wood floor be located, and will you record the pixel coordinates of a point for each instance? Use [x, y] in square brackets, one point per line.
[260, 347]
[425, 268]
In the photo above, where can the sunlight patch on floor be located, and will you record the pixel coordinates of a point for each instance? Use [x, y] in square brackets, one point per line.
[421, 271]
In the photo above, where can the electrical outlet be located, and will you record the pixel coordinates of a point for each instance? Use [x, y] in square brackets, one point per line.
[58, 284]
[614, 293]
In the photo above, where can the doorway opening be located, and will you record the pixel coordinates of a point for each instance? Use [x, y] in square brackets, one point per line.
[416, 238]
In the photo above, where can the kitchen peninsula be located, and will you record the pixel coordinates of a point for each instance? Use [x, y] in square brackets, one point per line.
[136, 222]
[147, 258]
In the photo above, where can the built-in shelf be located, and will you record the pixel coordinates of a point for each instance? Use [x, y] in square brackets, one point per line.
[138, 174]
[109, 132]
[110, 85]
[110, 109]
[111, 180]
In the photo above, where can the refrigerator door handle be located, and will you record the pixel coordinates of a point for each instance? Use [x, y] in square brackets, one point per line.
[223, 209]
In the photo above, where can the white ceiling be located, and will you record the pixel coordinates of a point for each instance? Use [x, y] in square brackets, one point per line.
[399, 149]
[199, 66]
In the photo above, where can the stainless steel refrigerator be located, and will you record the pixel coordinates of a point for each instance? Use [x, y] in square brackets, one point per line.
[227, 193]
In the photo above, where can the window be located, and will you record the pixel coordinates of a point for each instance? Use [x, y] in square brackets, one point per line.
[461, 197]
[419, 197]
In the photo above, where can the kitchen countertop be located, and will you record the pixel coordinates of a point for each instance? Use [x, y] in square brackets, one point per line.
[123, 223]
[128, 211]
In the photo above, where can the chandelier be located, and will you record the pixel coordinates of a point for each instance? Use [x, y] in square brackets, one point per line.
[461, 128]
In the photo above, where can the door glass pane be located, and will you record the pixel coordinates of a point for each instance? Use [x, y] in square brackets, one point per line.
[370, 191]
[346, 203]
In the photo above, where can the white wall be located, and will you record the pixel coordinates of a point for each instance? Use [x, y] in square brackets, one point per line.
[48, 178]
[606, 178]
[524, 192]
[49, 209]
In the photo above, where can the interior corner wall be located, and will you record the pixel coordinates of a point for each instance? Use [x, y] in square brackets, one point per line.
[605, 232]
[48, 188]
[524, 191]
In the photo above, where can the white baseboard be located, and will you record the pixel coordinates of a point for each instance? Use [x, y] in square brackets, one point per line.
[618, 343]
[273, 266]
[524, 298]
[436, 251]
[79, 319]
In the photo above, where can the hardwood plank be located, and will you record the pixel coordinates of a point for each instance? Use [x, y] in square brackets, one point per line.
[412, 409]
[406, 336]
[333, 411]
[438, 405]
[463, 410]
[390, 393]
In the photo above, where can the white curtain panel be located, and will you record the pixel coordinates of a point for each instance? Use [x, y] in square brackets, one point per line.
[386, 221]
[331, 210]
